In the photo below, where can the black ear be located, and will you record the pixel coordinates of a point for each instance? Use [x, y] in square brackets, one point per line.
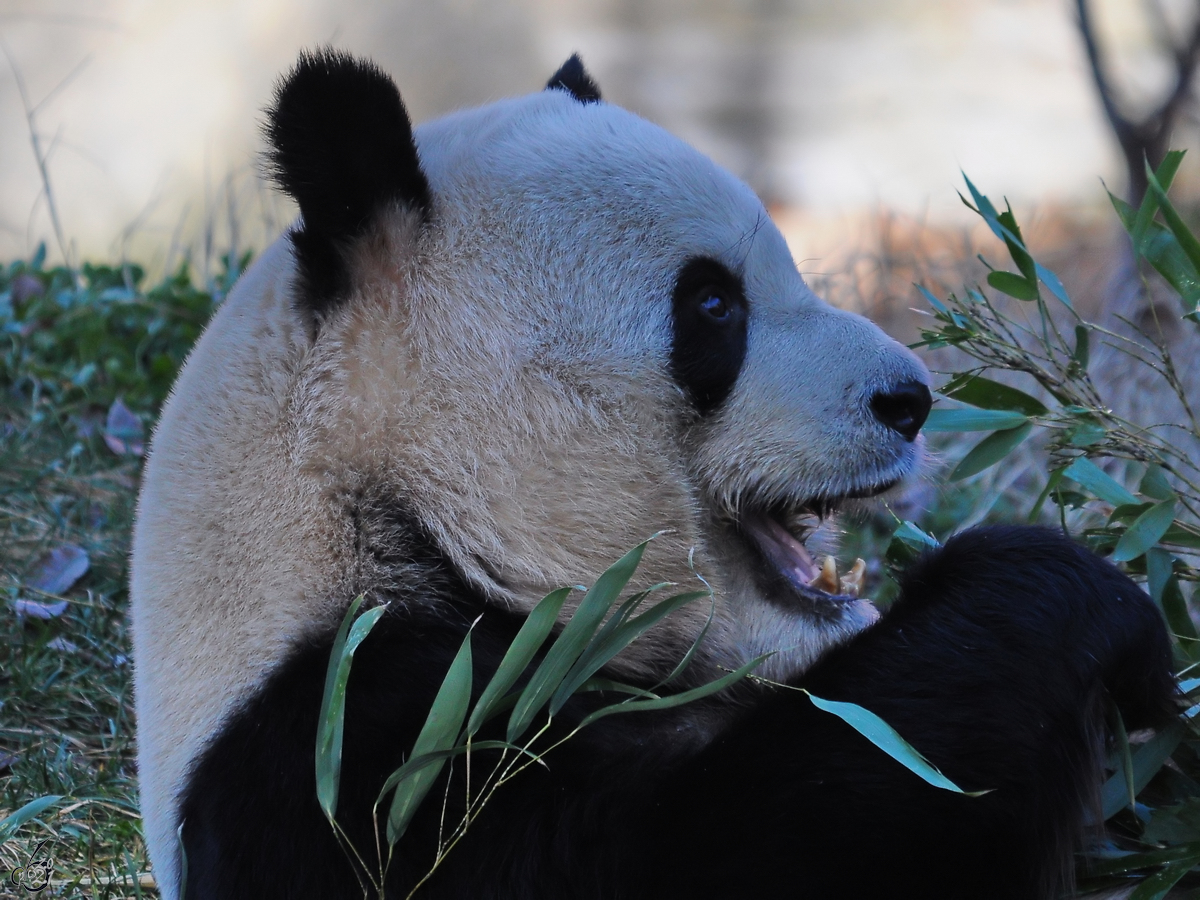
[341, 145]
[573, 77]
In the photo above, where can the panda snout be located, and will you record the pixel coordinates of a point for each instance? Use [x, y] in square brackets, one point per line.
[903, 408]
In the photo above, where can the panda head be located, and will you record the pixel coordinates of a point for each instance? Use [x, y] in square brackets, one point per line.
[549, 329]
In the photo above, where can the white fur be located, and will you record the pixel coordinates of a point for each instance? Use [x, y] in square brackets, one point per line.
[504, 371]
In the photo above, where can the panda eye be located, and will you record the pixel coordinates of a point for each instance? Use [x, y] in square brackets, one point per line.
[714, 307]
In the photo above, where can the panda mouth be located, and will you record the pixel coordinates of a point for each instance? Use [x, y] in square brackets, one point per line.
[779, 534]
[779, 538]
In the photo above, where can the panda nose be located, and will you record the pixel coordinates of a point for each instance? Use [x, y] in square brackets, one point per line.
[904, 408]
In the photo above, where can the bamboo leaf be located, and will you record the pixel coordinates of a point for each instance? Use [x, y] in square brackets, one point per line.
[914, 536]
[933, 301]
[1159, 566]
[1050, 280]
[1160, 883]
[1154, 484]
[32, 809]
[1144, 217]
[1175, 609]
[672, 700]
[417, 764]
[1052, 482]
[1087, 474]
[534, 631]
[1135, 862]
[973, 420]
[1147, 760]
[1124, 754]
[439, 733]
[987, 394]
[1146, 531]
[352, 632]
[607, 646]
[574, 639]
[1080, 355]
[1183, 234]
[990, 451]
[883, 736]
[1013, 285]
[1129, 863]
[1000, 224]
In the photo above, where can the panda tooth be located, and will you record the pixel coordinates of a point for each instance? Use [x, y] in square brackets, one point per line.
[827, 578]
[851, 583]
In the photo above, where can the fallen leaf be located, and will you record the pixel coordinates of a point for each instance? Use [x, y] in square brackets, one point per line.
[59, 569]
[123, 431]
[35, 609]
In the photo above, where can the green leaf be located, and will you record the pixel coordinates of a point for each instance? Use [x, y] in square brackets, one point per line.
[1013, 285]
[672, 700]
[909, 533]
[607, 646]
[1175, 609]
[1080, 354]
[353, 631]
[1155, 242]
[416, 764]
[1159, 565]
[908, 543]
[534, 631]
[1147, 760]
[1146, 531]
[1174, 221]
[1085, 434]
[1135, 862]
[1155, 485]
[1087, 474]
[1174, 824]
[439, 733]
[573, 640]
[1162, 251]
[933, 301]
[990, 451]
[987, 394]
[1160, 883]
[10, 824]
[973, 420]
[1050, 280]
[1052, 481]
[883, 736]
[1149, 206]
[1121, 737]
[1004, 226]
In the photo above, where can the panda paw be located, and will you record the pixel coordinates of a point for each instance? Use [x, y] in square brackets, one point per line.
[1052, 603]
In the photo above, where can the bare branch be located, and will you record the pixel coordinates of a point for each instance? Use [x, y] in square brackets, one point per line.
[42, 160]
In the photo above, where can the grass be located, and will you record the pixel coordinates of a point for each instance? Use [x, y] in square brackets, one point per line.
[86, 359]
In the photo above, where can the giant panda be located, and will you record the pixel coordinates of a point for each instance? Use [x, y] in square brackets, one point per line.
[493, 354]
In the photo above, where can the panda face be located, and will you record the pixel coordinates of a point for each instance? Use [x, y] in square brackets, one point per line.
[618, 339]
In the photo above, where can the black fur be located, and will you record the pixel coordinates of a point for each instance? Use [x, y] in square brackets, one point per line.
[573, 78]
[341, 145]
[993, 663]
[707, 352]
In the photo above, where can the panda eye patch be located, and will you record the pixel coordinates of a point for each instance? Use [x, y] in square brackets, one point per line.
[709, 317]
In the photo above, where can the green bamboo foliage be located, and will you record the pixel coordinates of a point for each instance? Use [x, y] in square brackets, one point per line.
[1137, 492]
[601, 626]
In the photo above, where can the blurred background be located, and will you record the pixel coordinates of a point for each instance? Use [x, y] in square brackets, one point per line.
[852, 119]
